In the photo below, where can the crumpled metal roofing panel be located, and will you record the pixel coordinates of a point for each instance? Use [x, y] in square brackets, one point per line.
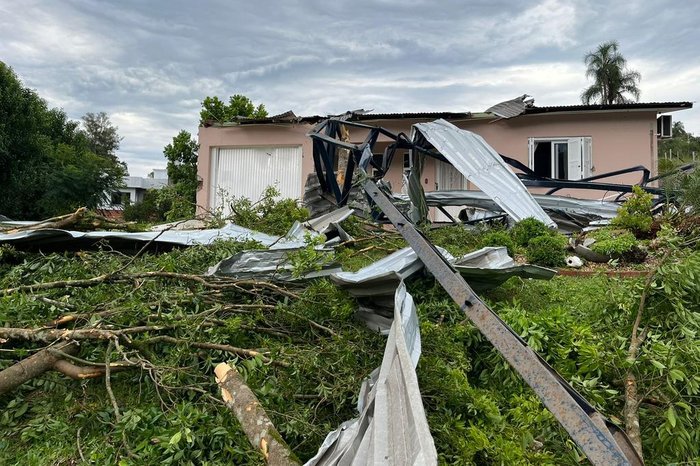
[182, 237]
[294, 239]
[392, 427]
[383, 276]
[550, 203]
[491, 266]
[272, 264]
[482, 165]
[511, 108]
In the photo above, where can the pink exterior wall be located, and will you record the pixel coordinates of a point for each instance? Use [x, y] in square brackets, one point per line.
[619, 140]
[248, 136]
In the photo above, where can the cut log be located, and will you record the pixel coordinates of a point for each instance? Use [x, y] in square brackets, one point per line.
[257, 426]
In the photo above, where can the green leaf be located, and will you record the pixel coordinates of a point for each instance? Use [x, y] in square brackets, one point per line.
[175, 439]
[676, 374]
[657, 364]
[671, 416]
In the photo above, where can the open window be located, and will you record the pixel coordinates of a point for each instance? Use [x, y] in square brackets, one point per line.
[561, 158]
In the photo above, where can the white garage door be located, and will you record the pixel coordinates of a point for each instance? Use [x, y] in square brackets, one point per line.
[247, 171]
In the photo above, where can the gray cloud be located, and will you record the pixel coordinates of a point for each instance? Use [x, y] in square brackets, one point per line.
[149, 64]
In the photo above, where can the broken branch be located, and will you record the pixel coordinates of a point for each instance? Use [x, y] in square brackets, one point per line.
[256, 424]
[246, 353]
[31, 367]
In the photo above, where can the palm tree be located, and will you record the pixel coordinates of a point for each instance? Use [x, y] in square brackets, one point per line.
[612, 79]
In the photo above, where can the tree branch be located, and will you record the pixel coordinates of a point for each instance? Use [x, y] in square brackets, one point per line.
[256, 424]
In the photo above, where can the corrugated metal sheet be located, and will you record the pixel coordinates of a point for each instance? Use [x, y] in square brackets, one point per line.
[489, 267]
[66, 238]
[271, 264]
[511, 108]
[247, 171]
[383, 276]
[392, 428]
[571, 214]
[482, 165]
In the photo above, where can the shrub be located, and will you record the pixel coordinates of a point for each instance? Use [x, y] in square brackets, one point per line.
[618, 244]
[527, 229]
[499, 238]
[635, 214]
[548, 250]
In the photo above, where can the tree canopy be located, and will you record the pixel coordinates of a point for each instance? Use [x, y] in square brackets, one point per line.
[101, 134]
[611, 78]
[238, 105]
[47, 166]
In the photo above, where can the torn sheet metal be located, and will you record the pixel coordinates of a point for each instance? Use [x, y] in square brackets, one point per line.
[382, 277]
[48, 237]
[482, 165]
[512, 108]
[594, 209]
[489, 267]
[570, 214]
[327, 224]
[392, 427]
[268, 264]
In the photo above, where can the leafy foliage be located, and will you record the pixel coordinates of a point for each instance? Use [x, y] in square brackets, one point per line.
[479, 410]
[527, 229]
[612, 242]
[547, 250]
[238, 106]
[455, 238]
[149, 210]
[101, 134]
[269, 214]
[181, 154]
[635, 213]
[47, 167]
[679, 148]
[611, 78]
[499, 238]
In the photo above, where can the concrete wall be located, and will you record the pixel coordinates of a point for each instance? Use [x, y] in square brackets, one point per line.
[619, 140]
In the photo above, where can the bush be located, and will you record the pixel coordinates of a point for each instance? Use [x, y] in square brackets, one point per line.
[635, 214]
[527, 229]
[547, 250]
[499, 238]
[618, 244]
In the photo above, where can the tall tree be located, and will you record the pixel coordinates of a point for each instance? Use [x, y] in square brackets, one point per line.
[46, 165]
[611, 78]
[101, 134]
[182, 163]
[238, 105]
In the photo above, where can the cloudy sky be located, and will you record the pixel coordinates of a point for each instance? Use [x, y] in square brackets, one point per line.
[149, 64]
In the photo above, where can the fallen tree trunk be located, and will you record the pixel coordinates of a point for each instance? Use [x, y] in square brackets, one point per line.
[53, 223]
[257, 426]
[33, 366]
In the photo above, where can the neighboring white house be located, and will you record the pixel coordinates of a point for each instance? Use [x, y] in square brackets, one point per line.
[134, 189]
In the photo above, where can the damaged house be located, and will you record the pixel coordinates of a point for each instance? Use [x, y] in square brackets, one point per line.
[241, 158]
